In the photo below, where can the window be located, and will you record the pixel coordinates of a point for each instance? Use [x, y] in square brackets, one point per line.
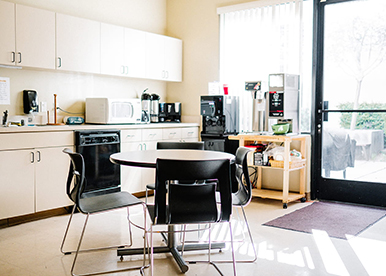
[271, 37]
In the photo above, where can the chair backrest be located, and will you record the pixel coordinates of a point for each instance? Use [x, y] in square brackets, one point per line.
[241, 175]
[76, 176]
[181, 145]
[200, 200]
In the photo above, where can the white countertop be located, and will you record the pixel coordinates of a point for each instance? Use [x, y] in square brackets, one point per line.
[49, 128]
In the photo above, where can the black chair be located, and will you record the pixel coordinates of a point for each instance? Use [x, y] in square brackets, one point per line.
[91, 205]
[175, 145]
[242, 190]
[191, 203]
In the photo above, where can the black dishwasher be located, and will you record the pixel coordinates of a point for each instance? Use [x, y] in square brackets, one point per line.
[96, 146]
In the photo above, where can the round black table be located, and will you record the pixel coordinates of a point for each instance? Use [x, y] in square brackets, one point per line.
[148, 159]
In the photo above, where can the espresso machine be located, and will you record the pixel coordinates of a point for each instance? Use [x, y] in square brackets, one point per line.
[220, 118]
[283, 101]
[279, 105]
[170, 112]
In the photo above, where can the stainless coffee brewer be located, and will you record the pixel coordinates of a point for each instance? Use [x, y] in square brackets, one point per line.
[154, 109]
[146, 106]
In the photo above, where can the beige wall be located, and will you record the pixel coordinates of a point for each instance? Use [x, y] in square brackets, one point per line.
[195, 22]
[73, 88]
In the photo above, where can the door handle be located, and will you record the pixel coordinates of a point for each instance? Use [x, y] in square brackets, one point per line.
[59, 62]
[19, 53]
[39, 156]
[32, 157]
[13, 57]
[325, 114]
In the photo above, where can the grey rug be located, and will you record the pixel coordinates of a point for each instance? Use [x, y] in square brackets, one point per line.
[337, 219]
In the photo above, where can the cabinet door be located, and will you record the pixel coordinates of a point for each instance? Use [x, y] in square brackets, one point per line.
[155, 56]
[16, 183]
[173, 59]
[51, 171]
[135, 53]
[35, 37]
[7, 33]
[77, 44]
[112, 50]
[131, 177]
[148, 174]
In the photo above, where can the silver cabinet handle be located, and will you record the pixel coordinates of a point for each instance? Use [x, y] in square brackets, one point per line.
[167, 74]
[39, 156]
[13, 57]
[32, 157]
[144, 144]
[59, 62]
[19, 53]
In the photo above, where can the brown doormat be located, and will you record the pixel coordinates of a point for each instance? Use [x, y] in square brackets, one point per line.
[337, 219]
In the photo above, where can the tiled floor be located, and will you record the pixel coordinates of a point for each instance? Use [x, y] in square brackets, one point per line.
[32, 249]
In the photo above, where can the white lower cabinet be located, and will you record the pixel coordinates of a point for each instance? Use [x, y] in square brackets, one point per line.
[33, 179]
[51, 171]
[16, 183]
[134, 179]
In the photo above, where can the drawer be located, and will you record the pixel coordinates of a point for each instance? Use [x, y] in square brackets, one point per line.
[189, 132]
[9, 141]
[171, 133]
[131, 135]
[153, 134]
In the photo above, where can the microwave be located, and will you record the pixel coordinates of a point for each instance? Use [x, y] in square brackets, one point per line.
[113, 111]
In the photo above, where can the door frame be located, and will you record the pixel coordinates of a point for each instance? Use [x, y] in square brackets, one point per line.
[326, 188]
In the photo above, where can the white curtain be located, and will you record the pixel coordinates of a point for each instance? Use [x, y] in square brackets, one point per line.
[257, 42]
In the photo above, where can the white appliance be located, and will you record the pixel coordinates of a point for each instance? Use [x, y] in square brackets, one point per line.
[113, 111]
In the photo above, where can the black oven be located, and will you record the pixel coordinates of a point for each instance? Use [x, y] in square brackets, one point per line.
[96, 146]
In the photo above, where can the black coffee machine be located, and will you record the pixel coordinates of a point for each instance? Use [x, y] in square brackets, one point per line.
[30, 101]
[170, 112]
[220, 118]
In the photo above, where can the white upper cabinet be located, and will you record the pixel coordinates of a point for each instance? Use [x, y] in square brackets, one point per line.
[38, 38]
[27, 36]
[7, 33]
[78, 43]
[164, 57]
[155, 56]
[135, 53]
[112, 49]
[173, 59]
[123, 51]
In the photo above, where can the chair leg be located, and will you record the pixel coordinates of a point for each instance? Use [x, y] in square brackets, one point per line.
[146, 195]
[151, 252]
[250, 237]
[90, 249]
[233, 250]
[66, 232]
[79, 244]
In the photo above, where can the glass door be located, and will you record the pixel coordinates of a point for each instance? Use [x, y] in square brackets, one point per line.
[351, 101]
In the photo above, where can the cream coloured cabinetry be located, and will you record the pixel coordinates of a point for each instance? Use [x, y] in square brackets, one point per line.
[112, 49]
[77, 44]
[27, 36]
[135, 179]
[33, 172]
[163, 57]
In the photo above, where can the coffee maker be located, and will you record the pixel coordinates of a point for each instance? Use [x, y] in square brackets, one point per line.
[170, 112]
[280, 104]
[282, 101]
[220, 118]
[30, 101]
